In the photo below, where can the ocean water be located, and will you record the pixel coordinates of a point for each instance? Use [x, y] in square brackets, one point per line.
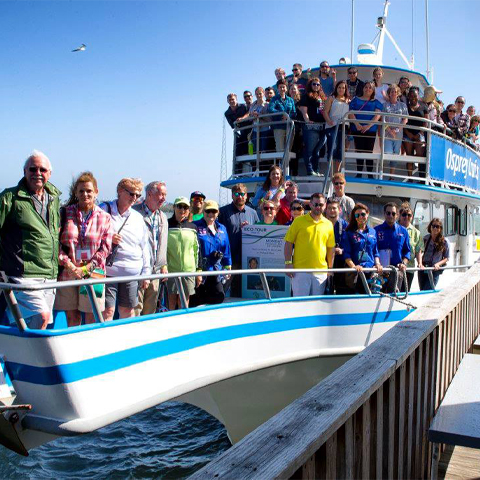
[172, 440]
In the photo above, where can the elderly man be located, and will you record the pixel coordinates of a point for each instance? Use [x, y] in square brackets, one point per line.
[157, 226]
[29, 226]
[234, 217]
[284, 215]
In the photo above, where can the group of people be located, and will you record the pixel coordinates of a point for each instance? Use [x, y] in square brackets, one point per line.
[316, 104]
[42, 242]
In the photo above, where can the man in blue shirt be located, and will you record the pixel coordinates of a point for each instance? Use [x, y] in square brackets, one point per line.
[393, 246]
[234, 217]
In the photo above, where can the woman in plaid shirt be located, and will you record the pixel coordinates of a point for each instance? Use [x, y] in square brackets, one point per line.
[86, 240]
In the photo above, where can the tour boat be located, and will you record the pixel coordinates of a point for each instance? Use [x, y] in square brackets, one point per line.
[244, 360]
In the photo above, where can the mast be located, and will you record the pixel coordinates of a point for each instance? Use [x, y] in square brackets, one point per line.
[381, 24]
[352, 32]
[427, 40]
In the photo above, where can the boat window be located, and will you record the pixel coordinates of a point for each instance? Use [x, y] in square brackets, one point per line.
[450, 226]
[439, 211]
[421, 217]
[462, 221]
[476, 222]
[375, 204]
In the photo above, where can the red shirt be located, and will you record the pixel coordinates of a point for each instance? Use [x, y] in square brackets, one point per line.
[284, 215]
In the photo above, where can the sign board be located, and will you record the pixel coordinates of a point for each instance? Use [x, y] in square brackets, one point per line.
[262, 247]
[454, 163]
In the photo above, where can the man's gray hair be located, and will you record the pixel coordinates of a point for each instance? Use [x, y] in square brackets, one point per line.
[153, 185]
[37, 154]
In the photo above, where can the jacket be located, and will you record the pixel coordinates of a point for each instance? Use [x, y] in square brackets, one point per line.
[183, 251]
[28, 246]
[212, 245]
[158, 258]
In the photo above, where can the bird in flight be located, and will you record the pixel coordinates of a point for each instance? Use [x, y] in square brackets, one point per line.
[81, 48]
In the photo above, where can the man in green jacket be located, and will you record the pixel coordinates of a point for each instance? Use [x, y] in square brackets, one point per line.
[29, 230]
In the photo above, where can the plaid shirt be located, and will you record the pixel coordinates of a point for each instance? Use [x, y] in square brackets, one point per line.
[97, 237]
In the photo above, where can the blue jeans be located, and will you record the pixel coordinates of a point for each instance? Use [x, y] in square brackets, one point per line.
[337, 148]
[264, 136]
[391, 145]
[314, 138]
[424, 280]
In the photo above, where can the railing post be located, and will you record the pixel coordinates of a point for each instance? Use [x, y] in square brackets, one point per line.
[382, 147]
[257, 126]
[13, 305]
[234, 156]
[181, 292]
[365, 283]
[265, 286]
[95, 308]
[427, 155]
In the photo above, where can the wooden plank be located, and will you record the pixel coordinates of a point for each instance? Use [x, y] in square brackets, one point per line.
[349, 453]
[357, 443]
[379, 426]
[401, 419]
[366, 430]
[426, 397]
[440, 348]
[391, 426]
[419, 405]
[332, 457]
[459, 463]
[410, 413]
[433, 389]
[308, 469]
[341, 454]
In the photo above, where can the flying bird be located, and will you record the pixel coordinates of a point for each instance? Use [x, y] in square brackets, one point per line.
[81, 48]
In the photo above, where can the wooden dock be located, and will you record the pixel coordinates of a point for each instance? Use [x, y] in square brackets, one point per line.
[459, 463]
[369, 418]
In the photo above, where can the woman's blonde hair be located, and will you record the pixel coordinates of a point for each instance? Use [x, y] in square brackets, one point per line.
[130, 184]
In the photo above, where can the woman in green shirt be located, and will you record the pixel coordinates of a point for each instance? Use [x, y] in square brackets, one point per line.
[405, 220]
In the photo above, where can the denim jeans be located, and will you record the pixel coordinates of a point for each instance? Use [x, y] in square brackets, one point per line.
[391, 145]
[314, 138]
[263, 142]
[337, 148]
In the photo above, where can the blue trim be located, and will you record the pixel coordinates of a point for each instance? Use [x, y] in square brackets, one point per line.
[230, 183]
[413, 186]
[73, 372]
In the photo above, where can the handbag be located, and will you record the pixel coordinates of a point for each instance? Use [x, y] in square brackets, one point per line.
[99, 287]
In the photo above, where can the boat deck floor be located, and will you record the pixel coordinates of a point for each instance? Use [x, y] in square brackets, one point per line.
[459, 463]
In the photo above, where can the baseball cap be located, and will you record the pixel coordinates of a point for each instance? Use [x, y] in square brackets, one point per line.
[197, 194]
[181, 200]
[210, 205]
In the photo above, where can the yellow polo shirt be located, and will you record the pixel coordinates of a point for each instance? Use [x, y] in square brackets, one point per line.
[311, 239]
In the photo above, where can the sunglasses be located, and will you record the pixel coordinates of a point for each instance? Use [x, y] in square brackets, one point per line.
[296, 209]
[405, 214]
[352, 73]
[315, 84]
[268, 208]
[211, 211]
[182, 207]
[318, 204]
[436, 226]
[361, 214]
[339, 183]
[247, 96]
[324, 66]
[38, 169]
[452, 111]
[132, 194]
[460, 101]
[294, 69]
[390, 214]
[239, 194]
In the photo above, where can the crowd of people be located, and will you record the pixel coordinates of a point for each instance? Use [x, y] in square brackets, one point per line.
[317, 103]
[42, 242]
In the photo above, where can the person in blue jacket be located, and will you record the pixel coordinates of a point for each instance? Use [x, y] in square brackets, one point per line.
[215, 255]
[393, 247]
[283, 107]
[360, 247]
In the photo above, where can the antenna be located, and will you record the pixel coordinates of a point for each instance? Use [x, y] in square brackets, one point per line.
[427, 40]
[222, 192]
[412, 58]
[352, 34]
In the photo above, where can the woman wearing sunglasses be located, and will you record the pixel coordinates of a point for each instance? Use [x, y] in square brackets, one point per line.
[360, 247]
[297, 210]
[269, 210]
[272, 189]
[405, 220]
[215, 255]
[436, 254]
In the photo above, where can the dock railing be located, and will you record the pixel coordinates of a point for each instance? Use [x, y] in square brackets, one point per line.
[369, 418]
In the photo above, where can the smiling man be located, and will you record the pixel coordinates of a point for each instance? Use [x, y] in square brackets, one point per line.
[29, 226]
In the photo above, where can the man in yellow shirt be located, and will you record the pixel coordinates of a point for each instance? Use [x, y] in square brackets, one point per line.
[312, 241]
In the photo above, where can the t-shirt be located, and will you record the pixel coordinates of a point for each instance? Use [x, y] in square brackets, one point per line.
[379, 93]
[314, 108]
[420, 112]
[365, 106]
[355, 89]
[415, 243]
[197, 216]
[327, 85]
[311, 239]
[346, 204]
[231, 115]
[398, 108]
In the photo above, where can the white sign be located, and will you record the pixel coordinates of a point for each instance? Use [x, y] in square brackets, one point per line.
[262, 247]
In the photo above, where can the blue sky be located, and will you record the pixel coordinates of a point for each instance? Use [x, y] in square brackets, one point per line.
[146, 99]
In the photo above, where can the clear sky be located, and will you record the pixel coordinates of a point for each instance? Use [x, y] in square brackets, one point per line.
[146, 98]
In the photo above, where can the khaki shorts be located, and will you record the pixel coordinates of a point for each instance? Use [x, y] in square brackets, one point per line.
[188, 285]
[69, 298]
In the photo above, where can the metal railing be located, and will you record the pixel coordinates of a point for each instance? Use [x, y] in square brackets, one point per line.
[9, 288]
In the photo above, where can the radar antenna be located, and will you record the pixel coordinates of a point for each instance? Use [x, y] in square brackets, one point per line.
[222, 192]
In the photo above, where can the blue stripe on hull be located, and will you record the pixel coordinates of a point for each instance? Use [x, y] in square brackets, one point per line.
[81, 370]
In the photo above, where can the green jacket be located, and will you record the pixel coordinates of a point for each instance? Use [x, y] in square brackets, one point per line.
[28, 246]
[183, 249]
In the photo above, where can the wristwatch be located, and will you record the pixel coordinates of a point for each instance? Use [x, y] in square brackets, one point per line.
[288, 262]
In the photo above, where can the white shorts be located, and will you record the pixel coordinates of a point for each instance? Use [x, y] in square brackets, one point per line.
[306, 284]
[35, 301]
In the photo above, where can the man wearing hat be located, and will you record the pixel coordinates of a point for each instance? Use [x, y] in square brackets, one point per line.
[196, 206]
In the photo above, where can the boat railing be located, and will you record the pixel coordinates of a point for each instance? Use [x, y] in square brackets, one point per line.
[9, 288]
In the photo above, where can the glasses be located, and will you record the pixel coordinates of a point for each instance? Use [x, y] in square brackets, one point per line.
[182, 207]
[452, 111]
[197, 199]
[210, 211]
[247, 96]
[315, 204]
[460, 101]
[405, 214]
[269, 208]
[390, 214]
[352, 73]
[294, 69]
[361, 214]
[339, 183]
[133, 194]
[315, 84]
[436, 226]
[296, 209]
[239, 194]
[38, 169]
[324, 66]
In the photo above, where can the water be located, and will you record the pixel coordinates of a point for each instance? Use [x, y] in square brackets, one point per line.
[172, 440]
